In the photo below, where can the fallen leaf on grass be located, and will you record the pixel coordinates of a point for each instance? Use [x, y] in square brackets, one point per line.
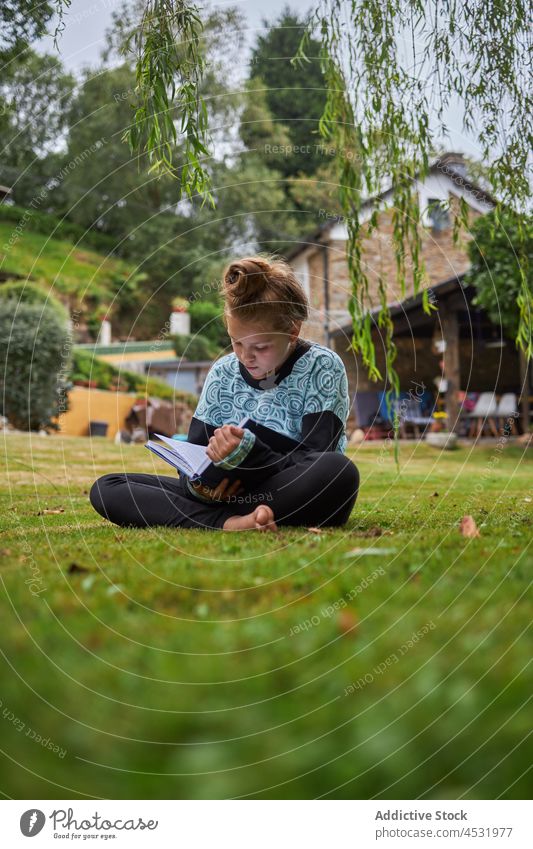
[51, 511]
[376, 531]
[468, 527]
[74, 569]
[347, 622]
[315, 530]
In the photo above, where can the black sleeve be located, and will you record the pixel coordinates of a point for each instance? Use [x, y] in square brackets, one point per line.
[200, 432]
[320, 432]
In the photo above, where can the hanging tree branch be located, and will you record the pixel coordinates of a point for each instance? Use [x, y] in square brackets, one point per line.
[169, 69]
[384, 63]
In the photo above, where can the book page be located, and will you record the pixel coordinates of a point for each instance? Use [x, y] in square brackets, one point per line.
[193, 454]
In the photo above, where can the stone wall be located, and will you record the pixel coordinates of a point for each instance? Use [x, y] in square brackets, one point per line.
[443, 260]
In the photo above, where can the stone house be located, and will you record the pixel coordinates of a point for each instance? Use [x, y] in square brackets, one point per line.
[321, 266]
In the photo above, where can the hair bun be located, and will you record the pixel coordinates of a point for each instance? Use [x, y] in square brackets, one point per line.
[264, 289]
[247, 275]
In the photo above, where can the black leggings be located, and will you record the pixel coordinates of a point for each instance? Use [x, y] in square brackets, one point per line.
[319, 490]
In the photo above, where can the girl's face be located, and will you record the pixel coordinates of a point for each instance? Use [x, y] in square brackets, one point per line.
[260, 348]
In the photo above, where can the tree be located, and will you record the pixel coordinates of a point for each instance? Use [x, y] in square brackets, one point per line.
[36, 95]
[36, 98]
[295, 96]
[496, 272]
[105, 188]
[21, 22]
[501, 253]
[258, 129]
[22, 292]
[376, 108]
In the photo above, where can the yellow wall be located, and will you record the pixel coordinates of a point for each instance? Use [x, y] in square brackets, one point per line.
[95, 405]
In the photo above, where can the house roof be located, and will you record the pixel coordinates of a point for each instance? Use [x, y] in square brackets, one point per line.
[450, 164]
[132, 347]
[445, 287]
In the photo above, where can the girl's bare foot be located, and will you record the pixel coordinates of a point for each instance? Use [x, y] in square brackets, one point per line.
[262, 519]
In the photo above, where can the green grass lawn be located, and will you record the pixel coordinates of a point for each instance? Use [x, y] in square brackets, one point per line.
[203, 664]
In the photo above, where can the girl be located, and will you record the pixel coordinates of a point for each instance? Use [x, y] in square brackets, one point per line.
[292, 386]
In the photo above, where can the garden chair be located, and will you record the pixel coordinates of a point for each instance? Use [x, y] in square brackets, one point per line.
[365, 406]
[413, 412]
[483, 414]
[507, 411]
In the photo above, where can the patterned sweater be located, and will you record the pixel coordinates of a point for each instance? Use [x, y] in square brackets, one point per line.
[306, 399]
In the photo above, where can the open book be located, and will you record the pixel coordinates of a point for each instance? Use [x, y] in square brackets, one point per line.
[187, 457]
[193, 461]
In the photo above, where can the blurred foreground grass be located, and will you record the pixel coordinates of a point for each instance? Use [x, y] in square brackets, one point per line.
[192, 664]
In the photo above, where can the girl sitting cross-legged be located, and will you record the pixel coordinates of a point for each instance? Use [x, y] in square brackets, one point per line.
[276, 378]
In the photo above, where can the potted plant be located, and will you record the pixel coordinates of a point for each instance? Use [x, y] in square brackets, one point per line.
[180, 304]
[438, 435]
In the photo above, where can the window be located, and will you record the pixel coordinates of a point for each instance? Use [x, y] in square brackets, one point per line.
[438, 214]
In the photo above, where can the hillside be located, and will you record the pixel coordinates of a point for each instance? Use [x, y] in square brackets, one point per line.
[76, 271]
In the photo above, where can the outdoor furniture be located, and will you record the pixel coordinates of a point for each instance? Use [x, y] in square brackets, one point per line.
[412, 410]
[369, 420]
[483, 414]
[366, 406]
[507, 411]
[411, 413]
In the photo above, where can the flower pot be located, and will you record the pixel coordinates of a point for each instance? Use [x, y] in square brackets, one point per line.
[98, 428]
[442, 439]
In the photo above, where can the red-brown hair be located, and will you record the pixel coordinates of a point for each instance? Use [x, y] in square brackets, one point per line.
[264, 289]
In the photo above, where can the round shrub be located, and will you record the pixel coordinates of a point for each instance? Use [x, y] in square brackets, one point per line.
[206, 320]
[21, 292]
[35, 346]
[194, 347]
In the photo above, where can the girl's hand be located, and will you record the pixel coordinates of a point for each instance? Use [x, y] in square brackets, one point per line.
[224, 441]
[222, 492]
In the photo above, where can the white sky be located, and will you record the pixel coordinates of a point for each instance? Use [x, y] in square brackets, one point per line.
[87, 20]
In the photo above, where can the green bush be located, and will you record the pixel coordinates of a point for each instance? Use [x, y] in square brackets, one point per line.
[22, 292]
[35, 348]
[87, 367]
[194, 347]
[206, 319]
